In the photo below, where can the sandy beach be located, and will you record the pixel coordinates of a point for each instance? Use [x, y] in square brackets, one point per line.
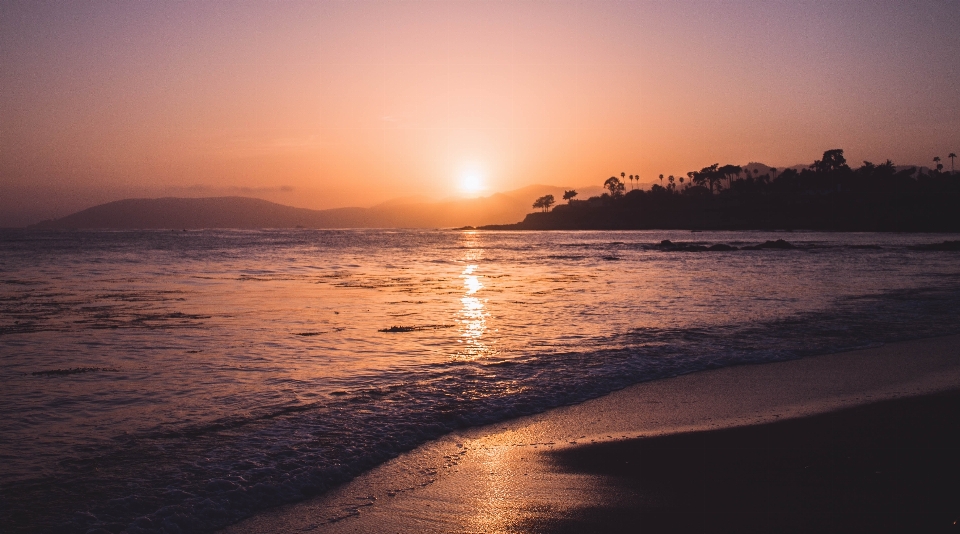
[856, 441]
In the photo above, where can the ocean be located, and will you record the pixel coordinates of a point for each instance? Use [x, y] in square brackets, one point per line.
[174, 381]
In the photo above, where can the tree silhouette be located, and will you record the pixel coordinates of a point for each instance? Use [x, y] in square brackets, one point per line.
[936, 159]
[568, 195]
[832, 160]
[544, 202]
[729, 171]
[952, 156]
[631, 182]
[661, 180]
[615, 187]
[707, 175]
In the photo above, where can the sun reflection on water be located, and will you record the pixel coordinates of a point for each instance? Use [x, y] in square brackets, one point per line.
[473, 313]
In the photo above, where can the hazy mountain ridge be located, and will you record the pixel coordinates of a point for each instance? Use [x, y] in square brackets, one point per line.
[250, 213]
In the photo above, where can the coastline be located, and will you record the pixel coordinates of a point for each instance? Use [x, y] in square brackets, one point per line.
[534, 473]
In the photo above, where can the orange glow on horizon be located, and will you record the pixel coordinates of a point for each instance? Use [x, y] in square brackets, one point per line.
[334, 104]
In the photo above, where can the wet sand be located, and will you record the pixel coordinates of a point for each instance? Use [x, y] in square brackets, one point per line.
[859, 441]
[890, 466]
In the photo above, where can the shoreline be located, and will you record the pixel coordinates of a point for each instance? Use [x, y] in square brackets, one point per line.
[508, 476]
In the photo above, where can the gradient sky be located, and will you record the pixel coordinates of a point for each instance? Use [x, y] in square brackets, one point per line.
[327, 104]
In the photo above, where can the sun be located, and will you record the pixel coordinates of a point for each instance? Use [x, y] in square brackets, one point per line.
[471, 181]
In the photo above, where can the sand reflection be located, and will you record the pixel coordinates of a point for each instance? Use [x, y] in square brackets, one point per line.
[503, 496]
[495, 504]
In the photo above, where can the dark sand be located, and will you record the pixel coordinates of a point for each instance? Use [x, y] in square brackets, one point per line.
[863, 441]
[892, 466]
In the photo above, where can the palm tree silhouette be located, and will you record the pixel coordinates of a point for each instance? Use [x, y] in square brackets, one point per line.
[952, 156]
[661, 179]
[631, 182]
[936, 159]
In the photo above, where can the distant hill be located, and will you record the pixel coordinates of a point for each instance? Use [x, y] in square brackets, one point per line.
[218, 212]
[245, 212]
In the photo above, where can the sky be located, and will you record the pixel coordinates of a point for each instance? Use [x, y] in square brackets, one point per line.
[327, 104]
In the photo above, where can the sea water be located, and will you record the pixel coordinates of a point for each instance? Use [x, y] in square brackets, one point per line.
[161, 381]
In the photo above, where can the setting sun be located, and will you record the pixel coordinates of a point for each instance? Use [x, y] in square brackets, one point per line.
[471, 181]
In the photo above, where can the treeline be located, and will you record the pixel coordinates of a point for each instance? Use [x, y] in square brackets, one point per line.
[828, 195]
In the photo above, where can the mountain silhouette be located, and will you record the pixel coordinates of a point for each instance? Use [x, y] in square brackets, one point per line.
[250, 213]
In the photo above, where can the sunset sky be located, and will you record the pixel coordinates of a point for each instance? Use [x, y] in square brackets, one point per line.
[329, 104]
